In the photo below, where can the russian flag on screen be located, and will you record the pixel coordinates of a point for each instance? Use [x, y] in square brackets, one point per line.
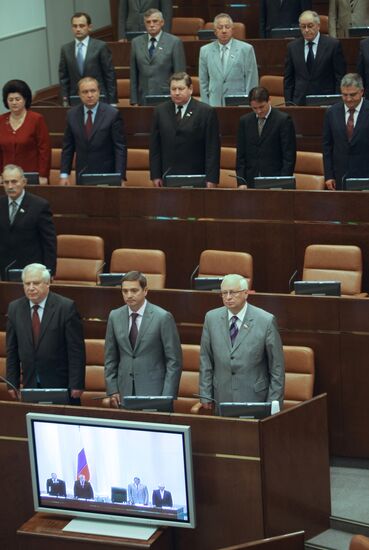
[82, 466]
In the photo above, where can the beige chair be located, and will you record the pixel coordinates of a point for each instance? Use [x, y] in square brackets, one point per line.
[54, 176]
[123, 90]
[80, 259]
[324, 24]
[196, 87]
[328, 262]
[228, 167]
[300, 372]
[309, 171]
[138, 168]
[274, 84]
[215, 263]
[359, 542]
[186, 27]
[94, 379]
[239, 29]
[150, 262]
[189, 384]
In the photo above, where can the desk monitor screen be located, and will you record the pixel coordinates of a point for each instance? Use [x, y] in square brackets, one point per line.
[207, 283]
[130, 35]
[322, 100]
[75, 100]
[285, 32]
[149, 403]
[356, 184]
[358, 32]
[206, 34]
[236, 100]
[185, 180]
[14, 275]
[245, 410]
[156, 99]
[318, 288]
[275, 182]
[49, 396]
[123, 463]
[111, 279]
[32, 178]
[111, 180]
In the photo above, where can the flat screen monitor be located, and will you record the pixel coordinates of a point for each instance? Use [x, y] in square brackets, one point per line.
[130, 35]
[149, 403]
[47, 396]
[206, 34]
[358, 32]
[245, 410]
[236, 100]
[322, 100]
[317, 288]
[285, 32]
[275, 182]
[14, 275]
[33, 178]
[185, 180]
[356, 184]
[75, 100]
[207, 283]
[110, 180]
[156, 99]
[113, 456]
[111, 279]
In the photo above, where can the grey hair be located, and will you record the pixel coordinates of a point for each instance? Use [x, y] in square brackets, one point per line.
[40, 269]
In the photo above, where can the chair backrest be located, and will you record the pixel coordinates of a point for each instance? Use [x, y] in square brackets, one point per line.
[150, 262]
[189, 383]
[80, 258]
[274, 84]
[239, 29]
[300, 372]
[123, 91]
[94, 379]
[215, 263]
[195, 87]
[327, 262]
[227, 167]
[359, 542]
[138, 169]
[4, 395]
[324, 25]
[186, 27]
[54, 175]
[309, 171]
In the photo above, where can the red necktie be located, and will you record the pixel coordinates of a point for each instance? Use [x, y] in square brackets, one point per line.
[350, 124]
[89, 124]
[36, 324]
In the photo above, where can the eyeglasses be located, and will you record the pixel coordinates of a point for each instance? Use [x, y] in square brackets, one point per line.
[231, 293]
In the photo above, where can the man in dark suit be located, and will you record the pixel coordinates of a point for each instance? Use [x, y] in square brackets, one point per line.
[185, 135]
[266, 143]
[346, 135]
[241, 355]
[83, 488]
[280, 13]
[27, 231]
[143, 353]
[314, 62]
[95, 133]
[55, 487]
[363, 64]
[131, 14]
[44, 338]
[154, 57]
[161, 498]
[86, 56]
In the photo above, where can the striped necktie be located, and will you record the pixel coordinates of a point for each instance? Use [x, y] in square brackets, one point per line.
[233, 329]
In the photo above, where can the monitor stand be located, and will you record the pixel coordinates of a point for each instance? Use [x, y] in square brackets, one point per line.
[111, 528]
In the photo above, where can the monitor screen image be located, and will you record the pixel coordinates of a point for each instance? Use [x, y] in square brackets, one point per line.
[274, 182]
[112, 471]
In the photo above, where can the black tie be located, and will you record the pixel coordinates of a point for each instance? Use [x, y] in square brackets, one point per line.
[152, 46]
[133, 333]
[310, 58]
[179, 113]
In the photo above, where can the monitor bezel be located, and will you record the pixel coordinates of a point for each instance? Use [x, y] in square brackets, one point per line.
[155, 403]
[234, 410]
[285, 32]
[283, 183]
[198, 181]
[104, 179]
[211, 284]
[309, 286]
[322, 100]
[33, 178]
[356, 184]
[45, 396]
[152, 100]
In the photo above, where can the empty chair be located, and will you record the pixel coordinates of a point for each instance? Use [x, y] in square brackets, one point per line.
[228, 167]
[138, 169]
[216, 263]
[123, 91]
[186, 27]
[189, 383]
[309, 171]
[150, 262]
[359, 542]
[239, 29]
[300, 372]
[80, 259]
[54, 176]
[274, 84]
[328, 262]
[94, 379]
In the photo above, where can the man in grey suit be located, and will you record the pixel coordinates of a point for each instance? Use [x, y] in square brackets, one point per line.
[226, 66]
[154, 57]
[143, 353]
[344, 14]
[86, 56]
[137, 492]
[241, 356]
[131, 15]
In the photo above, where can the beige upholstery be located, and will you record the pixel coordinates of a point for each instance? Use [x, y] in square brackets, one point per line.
[215, 263]
[309, 171]
[94, 379]
[4, 395]
[196, 87]
[274, 84]
[300, 370]
[359, 542]
[324, 25]
[123, 90]
[186, 27]
[189, 383]
[228, 167]
[80, 259]
[138, 170]
[239, 29]
[327, 262]
[54, 176]
[150, 262]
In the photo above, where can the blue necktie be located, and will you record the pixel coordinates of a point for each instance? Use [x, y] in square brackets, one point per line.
[80, 60]
[233, 330]
[152, 46]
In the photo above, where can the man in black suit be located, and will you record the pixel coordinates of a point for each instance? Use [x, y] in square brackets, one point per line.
[83, 488]
[95, 133]
[131, 14]
[266, 143]
[363, 64]
[44, 338]
[346, 135]
[185, 135]
[55, 487]
[280, 13]
[27, 231]
[314, 62]
[161, 498]
[86, 56]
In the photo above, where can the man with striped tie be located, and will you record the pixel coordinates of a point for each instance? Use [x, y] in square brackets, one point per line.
[241, 357]
[344, 14]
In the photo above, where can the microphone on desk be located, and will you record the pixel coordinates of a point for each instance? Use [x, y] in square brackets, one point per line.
[12, 386]
[193, 275]
[292, 279]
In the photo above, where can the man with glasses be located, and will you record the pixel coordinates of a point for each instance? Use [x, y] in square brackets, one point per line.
[346, 135]
[241, 357]
[314, 64]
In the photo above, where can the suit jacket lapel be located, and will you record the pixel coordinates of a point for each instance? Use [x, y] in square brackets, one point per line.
[224, 328]
[363, 114]
[89, 53]
[145, 323]
[216, 57]
[190, 112]
[22, 210]
[26, 316]
[47, 315]
[98, 120]
[301, 55]
[245, 329]
[232, 54]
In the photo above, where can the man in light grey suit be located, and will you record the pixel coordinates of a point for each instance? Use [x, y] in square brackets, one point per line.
[241, 357]
[154, 58]
[344, 14]
[143, 353]
[226, 66]
[137, 492]
[131, 14]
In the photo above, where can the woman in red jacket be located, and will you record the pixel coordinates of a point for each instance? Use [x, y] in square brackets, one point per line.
[24, 136]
